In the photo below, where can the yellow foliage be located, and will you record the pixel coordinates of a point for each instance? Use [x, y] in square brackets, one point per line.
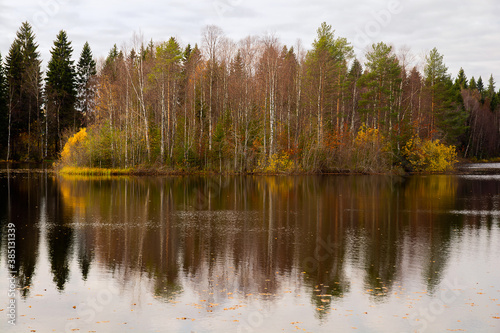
[368, 135]
[429, 156]
[277, 163]
[72, 149]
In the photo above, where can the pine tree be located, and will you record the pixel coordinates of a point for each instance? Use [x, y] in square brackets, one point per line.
[436, 77]
[381, 84]
[86, 86]
[60, 90]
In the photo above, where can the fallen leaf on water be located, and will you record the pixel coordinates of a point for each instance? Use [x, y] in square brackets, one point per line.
[496, 317]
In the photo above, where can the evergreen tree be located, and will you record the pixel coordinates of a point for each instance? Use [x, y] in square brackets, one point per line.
[60, 90]
[326, 67]
[24, 79]
[461, 80]
[480, 89]
[493, 97]
[447, 109]
[14, 70]
[4, 111]
[86, 87]
[381, 83]
[472, 84]
[435, 76]
[452, 118]
[480, 85]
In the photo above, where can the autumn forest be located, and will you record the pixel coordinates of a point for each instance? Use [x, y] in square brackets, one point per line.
[253, 105]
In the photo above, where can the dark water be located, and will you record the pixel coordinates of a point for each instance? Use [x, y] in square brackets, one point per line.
[251, 254]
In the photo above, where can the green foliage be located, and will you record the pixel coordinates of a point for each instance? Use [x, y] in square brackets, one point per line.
[24, 78]
[60, 89]
[472, 84]
[429, 155]
[4, 111]
[461, 80]
[85, 83]
[381, 84]
[434, 71]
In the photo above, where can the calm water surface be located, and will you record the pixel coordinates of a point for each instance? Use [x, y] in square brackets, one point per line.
[252, 254]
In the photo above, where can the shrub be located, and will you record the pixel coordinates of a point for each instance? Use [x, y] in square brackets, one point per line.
[370, 151]
[278, 162]
[428, 155]
[74, 152]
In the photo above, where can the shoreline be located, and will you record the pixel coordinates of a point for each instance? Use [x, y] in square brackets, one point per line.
[460, 168]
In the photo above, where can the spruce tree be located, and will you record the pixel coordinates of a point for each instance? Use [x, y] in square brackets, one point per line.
[24, 79]
[461, 81]
[472, 84]
[492, 96]
[60, 90]
[480, 89]
[4, 111]
[86, 71]
[14, 72]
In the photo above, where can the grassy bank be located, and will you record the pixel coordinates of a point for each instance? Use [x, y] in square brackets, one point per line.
[95, 171]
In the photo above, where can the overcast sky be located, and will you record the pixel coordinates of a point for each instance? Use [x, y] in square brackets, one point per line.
[467, 33]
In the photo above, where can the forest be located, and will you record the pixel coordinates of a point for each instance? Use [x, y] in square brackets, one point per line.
[253, 105]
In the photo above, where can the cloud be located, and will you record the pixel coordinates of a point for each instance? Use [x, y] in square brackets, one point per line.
[466, 33]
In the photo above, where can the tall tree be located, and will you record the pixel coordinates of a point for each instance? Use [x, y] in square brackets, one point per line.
[480, 89]
[86, 84]
[326, 66]
[167, 73]
[212, 36]
[60, 90]
[472, 84]
[382, 84]
[435, 76]
[14, 69]
[491, 93]
[353, 77]
[4, 110]
[24, 79]
[461, 80]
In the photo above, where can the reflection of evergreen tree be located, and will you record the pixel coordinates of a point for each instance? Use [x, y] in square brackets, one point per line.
[382, 250]
[59, 238]
[23, 212]
[85, 252]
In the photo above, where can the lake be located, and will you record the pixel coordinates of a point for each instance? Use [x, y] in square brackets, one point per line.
[326, 253]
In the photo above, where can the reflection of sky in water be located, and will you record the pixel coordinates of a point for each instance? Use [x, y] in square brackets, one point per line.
[482, 166]
[480, 177]
[273, 253]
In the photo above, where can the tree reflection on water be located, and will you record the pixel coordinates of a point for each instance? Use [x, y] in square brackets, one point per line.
[244, 233]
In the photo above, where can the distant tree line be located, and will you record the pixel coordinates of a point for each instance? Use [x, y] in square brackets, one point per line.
[240, 106]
